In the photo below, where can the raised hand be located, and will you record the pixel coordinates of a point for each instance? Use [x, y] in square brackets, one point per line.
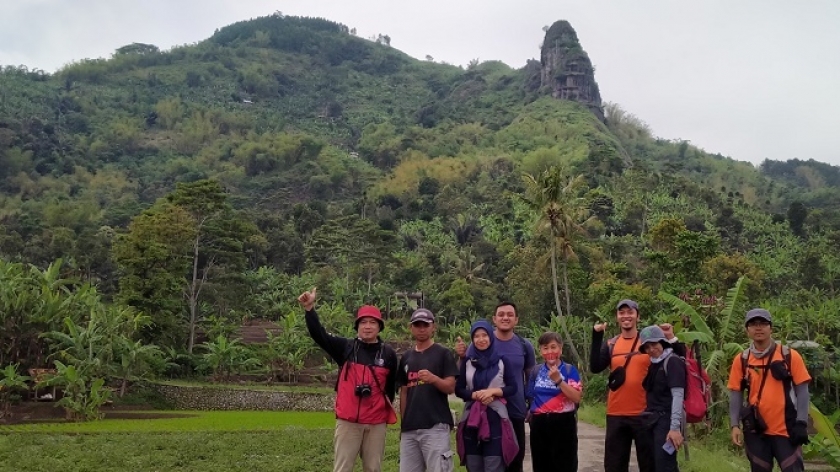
[600, 327]
[460, 347]
[554, 374]
[668, 329]
[307, 299]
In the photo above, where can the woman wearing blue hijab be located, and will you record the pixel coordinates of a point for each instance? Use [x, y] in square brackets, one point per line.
[486, 441]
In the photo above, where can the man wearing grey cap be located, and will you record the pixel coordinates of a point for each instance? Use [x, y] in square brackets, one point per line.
[426, 376]
[773, 424]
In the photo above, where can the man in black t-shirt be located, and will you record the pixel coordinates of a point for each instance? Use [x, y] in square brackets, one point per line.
[426, 376]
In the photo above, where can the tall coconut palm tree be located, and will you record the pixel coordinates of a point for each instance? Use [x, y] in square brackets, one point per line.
[563, 214]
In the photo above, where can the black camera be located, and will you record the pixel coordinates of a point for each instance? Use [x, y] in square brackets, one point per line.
[752, 420]
[363, 390]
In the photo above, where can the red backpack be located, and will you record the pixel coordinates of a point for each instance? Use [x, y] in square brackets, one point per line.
[698, 387]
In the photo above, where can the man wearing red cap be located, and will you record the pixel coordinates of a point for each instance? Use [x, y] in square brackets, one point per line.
[365, 387]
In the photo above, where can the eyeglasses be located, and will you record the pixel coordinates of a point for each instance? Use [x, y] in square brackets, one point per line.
[758, 323]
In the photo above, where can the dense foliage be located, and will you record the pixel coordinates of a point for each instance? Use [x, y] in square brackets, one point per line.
[208, 185]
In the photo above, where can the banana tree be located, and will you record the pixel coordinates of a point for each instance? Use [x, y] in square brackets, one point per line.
[287, 350]
[133, 361]
[448, 333]
[10, 381]
[826, 443]
[224, 357]
[84, 394]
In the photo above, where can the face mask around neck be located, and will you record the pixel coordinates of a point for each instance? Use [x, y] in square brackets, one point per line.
[667, 352]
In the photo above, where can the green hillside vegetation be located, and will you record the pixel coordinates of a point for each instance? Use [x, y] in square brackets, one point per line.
[212, 183]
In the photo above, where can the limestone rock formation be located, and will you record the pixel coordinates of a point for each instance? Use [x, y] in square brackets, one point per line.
[566, 69]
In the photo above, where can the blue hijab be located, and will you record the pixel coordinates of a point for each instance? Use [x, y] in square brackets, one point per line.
[486, 362]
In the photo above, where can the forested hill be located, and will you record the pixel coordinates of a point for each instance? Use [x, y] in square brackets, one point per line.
[321, 153]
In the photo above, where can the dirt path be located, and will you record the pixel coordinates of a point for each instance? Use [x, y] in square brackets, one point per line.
[590, 450]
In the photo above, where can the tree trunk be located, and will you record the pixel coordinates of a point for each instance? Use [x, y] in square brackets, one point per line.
[192, 296]
[566, 283]
[560, 316]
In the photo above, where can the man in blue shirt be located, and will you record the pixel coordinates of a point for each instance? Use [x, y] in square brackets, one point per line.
[519, 353]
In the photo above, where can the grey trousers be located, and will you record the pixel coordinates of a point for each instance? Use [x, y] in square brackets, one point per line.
[427, 450]
[485, 464]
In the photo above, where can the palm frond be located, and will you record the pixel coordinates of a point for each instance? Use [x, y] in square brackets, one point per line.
[732, 349]
[733, 297]
[690, 336]
[715, 360]
[696, 320]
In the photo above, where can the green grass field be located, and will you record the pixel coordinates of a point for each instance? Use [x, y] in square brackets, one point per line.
[144, 421]
[205, 441]
[229, 441]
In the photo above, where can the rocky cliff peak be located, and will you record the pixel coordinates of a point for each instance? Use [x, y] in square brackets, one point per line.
[566, 69]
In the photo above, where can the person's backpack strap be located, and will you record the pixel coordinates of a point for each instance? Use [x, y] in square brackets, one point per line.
[532, 374]
[348, 351]
[665, 362]
[523, 344]
[745, 355]
[614, 340]
[525, 356]
[611, 344]
[786, 356]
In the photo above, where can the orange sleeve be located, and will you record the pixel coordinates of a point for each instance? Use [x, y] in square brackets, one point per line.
[735, 374]
[797, 369]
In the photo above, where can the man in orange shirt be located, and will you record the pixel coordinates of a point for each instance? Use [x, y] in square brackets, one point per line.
[775, 419]
[627, 398]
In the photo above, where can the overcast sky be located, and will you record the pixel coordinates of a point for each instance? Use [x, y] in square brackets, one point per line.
[750, 79]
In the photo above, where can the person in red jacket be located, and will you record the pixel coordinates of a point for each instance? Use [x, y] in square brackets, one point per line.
[365, 387]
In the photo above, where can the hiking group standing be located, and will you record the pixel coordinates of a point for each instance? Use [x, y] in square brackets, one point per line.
[654, 385]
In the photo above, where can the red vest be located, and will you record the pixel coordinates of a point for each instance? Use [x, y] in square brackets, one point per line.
[370, 409]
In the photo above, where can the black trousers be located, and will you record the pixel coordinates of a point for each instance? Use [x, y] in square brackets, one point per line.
[762, 449]
[622, 431]
[554, 442]
[664, 462]
[518, 428]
